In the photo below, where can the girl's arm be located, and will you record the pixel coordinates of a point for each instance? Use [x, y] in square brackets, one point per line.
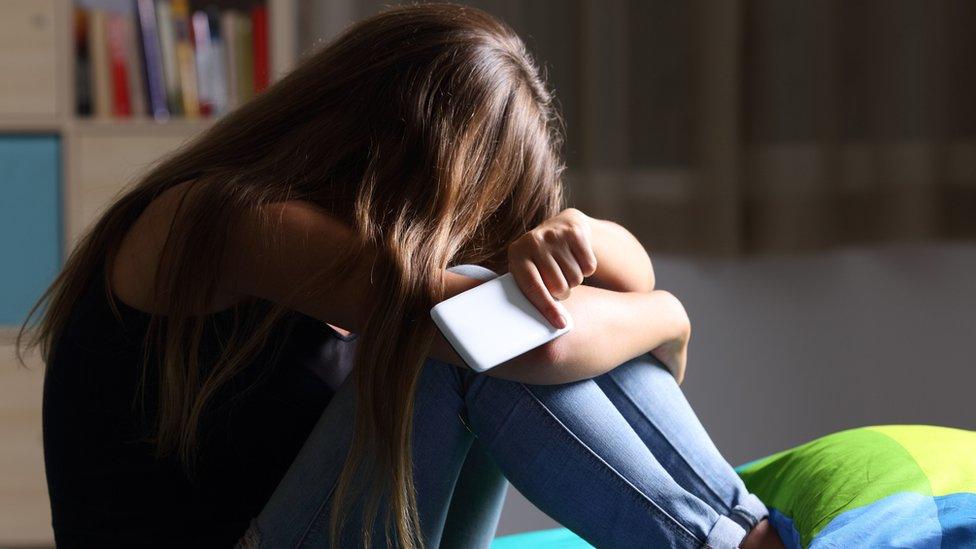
[550, 263]
[610, 327]
[552, 259]
[274, 254]
[623, 264]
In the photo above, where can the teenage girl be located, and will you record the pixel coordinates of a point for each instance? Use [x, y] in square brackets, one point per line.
[240, 350]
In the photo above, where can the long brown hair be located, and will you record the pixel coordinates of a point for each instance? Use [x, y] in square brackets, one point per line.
[428, 130]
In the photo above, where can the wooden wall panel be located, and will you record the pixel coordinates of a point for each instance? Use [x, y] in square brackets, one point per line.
[28, 48]
[104, 163]
[25, 514]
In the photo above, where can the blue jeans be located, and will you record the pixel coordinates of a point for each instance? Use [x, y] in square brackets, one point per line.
[620, 459]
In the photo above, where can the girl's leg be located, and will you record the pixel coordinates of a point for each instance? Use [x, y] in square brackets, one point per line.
[574, 455]
[478, 497]
[476, 504]
[565, 447]
[646, 394]
[298, 513]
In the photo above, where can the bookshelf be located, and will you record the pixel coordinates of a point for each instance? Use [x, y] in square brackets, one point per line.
[58, 170]
[37, 56]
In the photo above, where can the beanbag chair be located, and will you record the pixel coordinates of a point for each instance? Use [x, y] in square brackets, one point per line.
[888, 486]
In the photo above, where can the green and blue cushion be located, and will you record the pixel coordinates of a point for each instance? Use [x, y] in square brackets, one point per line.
[886, 486]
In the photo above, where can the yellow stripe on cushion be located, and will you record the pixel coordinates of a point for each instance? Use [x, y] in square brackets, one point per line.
[947, 456]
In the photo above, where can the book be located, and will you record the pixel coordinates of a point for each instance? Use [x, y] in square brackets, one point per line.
[259, 31]
[83, 83]
[152, 59]
[98, 52]
[137, 88]
[220, 100]
[117, 59]
[228, 29]
[167, 44]
[200, 24]
[186, 64]
[167, 60]
[245, 59]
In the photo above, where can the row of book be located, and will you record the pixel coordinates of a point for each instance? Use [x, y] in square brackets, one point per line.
[165, 59]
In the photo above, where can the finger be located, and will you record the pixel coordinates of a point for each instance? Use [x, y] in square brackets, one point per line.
[570, 267]
[582, 250]
[552, 275]
[530, 282]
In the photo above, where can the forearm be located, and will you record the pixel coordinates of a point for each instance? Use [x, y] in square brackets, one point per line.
[623, 264]
[610, 329]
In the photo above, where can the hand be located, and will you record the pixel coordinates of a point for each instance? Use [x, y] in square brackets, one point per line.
[552, 259]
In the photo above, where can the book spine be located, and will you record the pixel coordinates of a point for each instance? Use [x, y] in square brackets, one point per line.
[186, 64]
[98, 50]
[245, 60]
[259, 30]
[167, 44]
[152, 58]
[115, 34]
[219, 60]
[205, 69]
[137, 89]
[83, 80]
[228, 27]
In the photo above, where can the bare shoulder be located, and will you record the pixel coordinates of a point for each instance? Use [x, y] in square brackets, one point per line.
[135, 266]
[287, 253]
[265, 237]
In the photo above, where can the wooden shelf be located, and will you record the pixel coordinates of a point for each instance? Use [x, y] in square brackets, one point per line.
[122, 126]
[30, 124]
[56, 44]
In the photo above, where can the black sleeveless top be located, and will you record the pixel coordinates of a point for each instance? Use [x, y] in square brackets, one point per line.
[106, 486]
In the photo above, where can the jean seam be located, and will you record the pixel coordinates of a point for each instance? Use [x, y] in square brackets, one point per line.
[623, 391]
[676, 526]
[318, 511]
[474, 393]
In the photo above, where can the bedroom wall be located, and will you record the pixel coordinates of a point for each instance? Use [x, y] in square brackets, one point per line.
[785, 349]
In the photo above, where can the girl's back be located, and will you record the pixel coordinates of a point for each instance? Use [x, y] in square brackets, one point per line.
[98, 455]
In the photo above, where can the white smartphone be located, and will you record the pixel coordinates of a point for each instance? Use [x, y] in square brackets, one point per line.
[492, 323]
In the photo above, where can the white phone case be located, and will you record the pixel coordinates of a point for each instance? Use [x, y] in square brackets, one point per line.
[492, 323]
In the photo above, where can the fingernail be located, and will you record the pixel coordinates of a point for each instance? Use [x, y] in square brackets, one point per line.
[563, 316]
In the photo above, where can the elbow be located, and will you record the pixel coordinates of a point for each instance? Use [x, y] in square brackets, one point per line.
[648, 285]
[651, 279]
[547, 364]
[561, 363]
[553, 353]
[680, 313]
[548, 357]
